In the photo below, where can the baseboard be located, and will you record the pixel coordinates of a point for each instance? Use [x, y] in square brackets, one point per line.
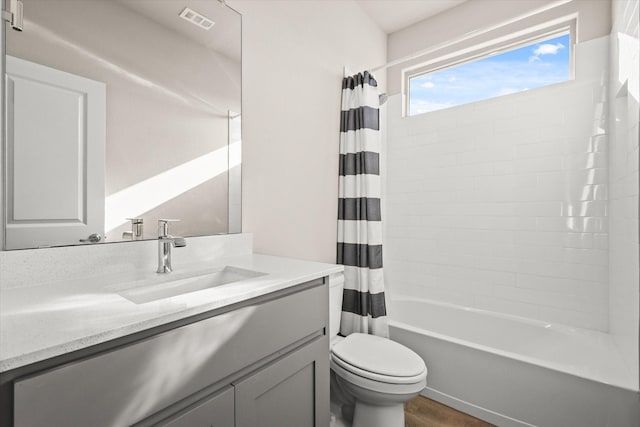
[473, 410]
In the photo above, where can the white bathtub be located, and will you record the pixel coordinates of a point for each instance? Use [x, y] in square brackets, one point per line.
[517, 372]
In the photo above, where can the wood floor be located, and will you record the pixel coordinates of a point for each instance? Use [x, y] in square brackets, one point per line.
[423, 412]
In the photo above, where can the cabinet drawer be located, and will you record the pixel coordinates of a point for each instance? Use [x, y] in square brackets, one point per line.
[127, 384]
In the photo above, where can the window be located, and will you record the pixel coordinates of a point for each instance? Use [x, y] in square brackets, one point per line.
[488, 75]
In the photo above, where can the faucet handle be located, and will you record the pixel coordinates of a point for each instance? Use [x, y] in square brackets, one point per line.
[163, 226]
[136, 229]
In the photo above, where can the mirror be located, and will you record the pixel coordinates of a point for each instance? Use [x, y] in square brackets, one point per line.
[120, 113]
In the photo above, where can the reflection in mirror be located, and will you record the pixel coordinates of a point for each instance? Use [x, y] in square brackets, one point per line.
[120, 110]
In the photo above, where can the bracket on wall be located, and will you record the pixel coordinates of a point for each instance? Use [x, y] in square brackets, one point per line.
[14, 15]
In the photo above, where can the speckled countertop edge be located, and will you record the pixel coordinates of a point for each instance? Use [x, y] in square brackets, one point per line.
[40, 322]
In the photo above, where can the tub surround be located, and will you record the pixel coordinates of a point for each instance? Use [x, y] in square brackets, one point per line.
[43, 319]
[624, 122]
[505, 369]
[587, 354]
[501, 204]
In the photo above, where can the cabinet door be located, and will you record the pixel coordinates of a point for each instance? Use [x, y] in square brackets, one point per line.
[294, 391]
[215, 411]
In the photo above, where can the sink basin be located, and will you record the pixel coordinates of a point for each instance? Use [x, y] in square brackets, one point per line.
[163, 288]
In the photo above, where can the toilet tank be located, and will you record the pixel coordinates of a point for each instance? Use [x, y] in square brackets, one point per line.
[336, 285]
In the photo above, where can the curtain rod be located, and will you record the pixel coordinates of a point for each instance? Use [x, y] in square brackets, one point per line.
[469, 35]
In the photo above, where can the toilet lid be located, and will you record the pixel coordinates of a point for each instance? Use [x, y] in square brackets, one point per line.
[379, 356]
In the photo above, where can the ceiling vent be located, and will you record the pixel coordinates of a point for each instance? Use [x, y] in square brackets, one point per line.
[196, 19]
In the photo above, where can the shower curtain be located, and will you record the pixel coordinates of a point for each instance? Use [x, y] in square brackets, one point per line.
[359, 215]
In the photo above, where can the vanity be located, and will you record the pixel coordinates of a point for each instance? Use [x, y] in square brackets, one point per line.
[246, 353]
[144, 124]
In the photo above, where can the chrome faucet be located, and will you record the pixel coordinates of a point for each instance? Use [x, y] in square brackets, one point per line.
[165, 243]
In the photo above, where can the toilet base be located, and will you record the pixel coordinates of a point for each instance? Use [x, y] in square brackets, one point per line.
[369, 408]
[378, 416]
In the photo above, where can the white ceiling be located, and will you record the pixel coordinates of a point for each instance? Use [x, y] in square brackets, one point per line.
[223, 37]
[389, 15]
[393, 15]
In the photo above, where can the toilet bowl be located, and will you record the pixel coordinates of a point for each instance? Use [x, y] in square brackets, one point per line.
[375, 375]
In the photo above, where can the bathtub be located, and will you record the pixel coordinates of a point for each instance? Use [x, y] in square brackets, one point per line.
[512, 371]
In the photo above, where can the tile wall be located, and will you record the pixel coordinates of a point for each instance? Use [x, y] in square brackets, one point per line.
[623, 180]
[502, 204]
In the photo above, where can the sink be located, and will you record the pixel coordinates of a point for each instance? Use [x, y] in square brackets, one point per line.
[163, 288]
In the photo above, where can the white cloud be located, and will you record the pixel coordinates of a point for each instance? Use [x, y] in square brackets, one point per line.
[545, 49]
[428, 85]
[548, 49]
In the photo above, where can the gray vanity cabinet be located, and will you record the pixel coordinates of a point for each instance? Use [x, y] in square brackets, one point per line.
[262, 362]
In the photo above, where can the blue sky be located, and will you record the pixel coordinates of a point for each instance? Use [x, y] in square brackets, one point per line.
[535, 65]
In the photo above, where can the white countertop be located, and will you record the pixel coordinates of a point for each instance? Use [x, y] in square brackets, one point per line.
[40, 322]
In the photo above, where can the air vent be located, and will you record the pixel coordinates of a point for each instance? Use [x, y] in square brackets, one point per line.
[196, 19]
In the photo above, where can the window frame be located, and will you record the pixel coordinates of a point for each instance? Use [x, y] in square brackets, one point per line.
[487, 49]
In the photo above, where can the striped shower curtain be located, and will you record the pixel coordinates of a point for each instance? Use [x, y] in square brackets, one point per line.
[359, 216]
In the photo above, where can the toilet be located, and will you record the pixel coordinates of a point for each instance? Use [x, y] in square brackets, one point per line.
[371, 375]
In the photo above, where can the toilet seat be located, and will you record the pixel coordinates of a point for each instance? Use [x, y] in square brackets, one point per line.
[374, 376]
[388, 389]
[378, 359]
